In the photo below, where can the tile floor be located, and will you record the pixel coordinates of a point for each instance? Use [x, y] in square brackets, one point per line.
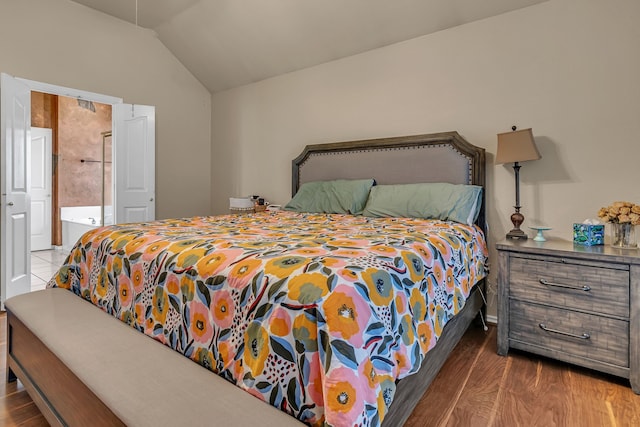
[44, 265]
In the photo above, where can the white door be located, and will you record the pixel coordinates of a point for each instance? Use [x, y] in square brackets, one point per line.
[134, 141]
[15, 223]
[40, 189]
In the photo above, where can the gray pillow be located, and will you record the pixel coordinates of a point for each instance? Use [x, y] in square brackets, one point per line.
[440, 200]
[345, 196]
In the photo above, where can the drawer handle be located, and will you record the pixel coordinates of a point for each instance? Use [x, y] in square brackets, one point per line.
[584, 336]
[585, 288]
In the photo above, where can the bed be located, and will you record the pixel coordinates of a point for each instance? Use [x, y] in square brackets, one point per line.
[331, 317]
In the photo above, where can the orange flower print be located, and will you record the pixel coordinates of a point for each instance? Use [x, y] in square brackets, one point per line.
[242, 272]
[189, 257]
[199, 323]
[222, 308]
[256, 348]
[125, 293]
[425, 253]
[102, 286]
[344, 400]
[369, 372]
[307, 288]
[380, 286]
[450, 281]
[348, 274]
[418, 304]
[346, 313]
[305, 332]
[139, 314]
[283, 266]
[160, 305]
[172, 284]
[333, 262]
[425, 336]
[402, 361]
[383, 250]
[280, 322]
[441, 246]
[414, 265]
[209, 265]
[310, 252]
[132, 247]
[137, 277]
[153, 249]
[438, 274]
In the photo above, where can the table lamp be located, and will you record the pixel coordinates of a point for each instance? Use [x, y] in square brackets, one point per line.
[515, 147]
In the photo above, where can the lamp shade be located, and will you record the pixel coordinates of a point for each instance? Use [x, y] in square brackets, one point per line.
[516, 146]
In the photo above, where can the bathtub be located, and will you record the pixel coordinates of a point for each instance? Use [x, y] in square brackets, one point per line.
[77, 220]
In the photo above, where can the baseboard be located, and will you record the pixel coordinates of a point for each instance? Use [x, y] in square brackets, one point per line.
[492, 319]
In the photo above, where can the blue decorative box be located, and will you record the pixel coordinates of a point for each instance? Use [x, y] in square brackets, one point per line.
[588, 235]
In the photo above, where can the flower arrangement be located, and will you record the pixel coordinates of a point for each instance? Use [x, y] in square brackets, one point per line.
[620, 213]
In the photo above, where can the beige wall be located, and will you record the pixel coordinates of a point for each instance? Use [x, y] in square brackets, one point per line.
[570, 69]
[67, 44]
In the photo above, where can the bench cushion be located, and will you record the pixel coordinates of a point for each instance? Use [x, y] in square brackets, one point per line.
[141, 380]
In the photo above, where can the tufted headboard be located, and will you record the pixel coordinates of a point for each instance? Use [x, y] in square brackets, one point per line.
[438, 157]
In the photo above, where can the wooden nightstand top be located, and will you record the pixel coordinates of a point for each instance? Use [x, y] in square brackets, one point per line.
[567, 248]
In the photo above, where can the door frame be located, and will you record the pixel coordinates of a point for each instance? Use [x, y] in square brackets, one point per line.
[61, 91]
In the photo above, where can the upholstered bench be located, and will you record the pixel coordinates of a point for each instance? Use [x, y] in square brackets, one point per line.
[83, 367]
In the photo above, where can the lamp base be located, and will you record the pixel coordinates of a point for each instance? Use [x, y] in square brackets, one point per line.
[517, 219]
[517, 234]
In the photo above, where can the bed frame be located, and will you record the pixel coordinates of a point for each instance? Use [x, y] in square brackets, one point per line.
[440, 157]
[443, 157]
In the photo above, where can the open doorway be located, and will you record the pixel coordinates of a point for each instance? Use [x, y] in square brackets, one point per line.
[133, 156]
[80, 163]
[71, 176]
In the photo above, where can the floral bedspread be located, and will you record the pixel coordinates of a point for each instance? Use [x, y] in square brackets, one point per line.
[317, 315]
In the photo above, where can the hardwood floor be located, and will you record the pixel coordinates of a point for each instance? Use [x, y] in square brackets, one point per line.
[476, 387]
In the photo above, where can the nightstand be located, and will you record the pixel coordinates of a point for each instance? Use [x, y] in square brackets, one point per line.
[578, 304]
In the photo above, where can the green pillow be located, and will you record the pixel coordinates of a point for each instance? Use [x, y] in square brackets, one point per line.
[439, 200]
[339, 196]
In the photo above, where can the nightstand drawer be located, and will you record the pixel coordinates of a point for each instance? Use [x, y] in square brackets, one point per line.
[581, 287]
[576, 334]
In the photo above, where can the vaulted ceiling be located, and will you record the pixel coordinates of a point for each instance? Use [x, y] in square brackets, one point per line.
[229, 43]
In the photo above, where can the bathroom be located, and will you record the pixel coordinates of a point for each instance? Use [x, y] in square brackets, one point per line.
[71, 183]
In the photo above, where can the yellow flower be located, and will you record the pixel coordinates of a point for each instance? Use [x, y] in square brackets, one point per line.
[190, 257]
[414, 265]
[283, 266]
[256, 348]
[242, 272]
[305, 331]
[379, 284]
[308, 288]
[418, 304]
[341, 312]
[103, 283]
[425, 336]
[160, 305]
